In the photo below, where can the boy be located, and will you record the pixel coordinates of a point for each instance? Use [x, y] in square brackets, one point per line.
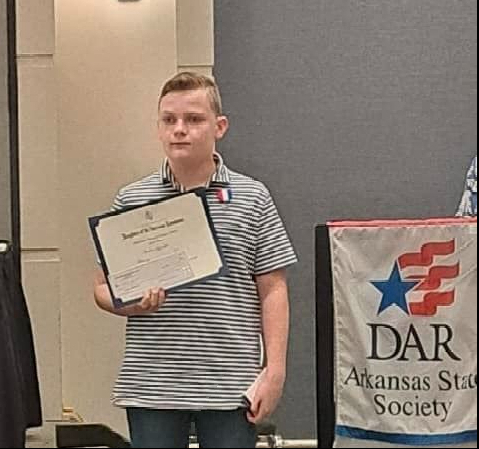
[192, 355]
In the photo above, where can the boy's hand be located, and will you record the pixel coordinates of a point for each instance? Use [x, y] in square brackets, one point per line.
[151, 303]
[267, 396]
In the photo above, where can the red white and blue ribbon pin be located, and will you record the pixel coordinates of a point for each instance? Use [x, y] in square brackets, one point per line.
[224, 195]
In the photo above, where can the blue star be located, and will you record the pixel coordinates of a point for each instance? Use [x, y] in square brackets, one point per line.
[394, 291]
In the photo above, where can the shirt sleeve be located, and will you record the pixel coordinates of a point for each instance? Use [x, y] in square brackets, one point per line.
[116, 206]
[118, 202]
[468, 205]
[274, 249]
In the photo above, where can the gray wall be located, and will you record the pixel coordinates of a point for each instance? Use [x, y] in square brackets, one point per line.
[5, 227]
[346, 109]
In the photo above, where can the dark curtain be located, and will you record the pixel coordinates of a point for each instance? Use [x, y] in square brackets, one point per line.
[19, 391]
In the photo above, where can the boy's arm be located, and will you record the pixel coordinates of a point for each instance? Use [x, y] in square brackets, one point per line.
[151, 302]
[273, 293]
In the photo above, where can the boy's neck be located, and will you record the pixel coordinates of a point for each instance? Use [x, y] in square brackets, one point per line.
[192, 176]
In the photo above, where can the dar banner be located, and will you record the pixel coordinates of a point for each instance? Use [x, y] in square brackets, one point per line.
[405, 297]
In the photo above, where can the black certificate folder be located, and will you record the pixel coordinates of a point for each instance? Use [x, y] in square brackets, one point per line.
[170, 243]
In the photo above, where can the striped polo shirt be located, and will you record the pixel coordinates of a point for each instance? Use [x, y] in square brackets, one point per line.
[202, 349]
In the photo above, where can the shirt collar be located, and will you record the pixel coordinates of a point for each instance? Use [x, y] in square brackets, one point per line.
[220, 176]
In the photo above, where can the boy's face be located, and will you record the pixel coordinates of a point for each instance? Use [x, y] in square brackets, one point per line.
[188, 126]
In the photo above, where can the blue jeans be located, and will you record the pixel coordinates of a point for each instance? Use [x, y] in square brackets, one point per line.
[171, 428]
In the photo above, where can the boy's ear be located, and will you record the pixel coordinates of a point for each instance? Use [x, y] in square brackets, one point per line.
[222, 125]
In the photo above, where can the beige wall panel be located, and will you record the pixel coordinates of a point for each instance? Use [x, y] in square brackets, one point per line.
[41, 282]
[195, 33]
[111, 59]
[204, 70]
[35, 27]
[38, 153]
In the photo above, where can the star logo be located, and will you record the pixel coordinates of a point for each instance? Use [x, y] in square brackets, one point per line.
[394, 291]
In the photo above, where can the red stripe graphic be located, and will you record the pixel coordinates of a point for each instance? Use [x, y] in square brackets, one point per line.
[435, 277]
[432, 301]
[426, 257]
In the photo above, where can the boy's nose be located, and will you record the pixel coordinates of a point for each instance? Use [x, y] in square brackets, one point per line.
[180, 127]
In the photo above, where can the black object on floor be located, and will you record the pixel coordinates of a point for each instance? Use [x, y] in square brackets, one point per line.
[88, 435]
[19, 391]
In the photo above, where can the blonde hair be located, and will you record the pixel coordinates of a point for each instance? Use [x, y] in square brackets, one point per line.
[185, 81]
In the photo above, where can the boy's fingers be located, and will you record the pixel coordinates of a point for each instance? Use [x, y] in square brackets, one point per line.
[154, 300]
[145, 302]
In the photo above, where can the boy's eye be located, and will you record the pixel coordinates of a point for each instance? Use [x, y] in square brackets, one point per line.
[195, 119]
[168, 120]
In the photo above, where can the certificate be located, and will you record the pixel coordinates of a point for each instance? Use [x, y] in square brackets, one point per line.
[169, 244]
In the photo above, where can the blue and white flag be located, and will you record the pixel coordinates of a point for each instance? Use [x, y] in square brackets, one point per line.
[405, 296]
